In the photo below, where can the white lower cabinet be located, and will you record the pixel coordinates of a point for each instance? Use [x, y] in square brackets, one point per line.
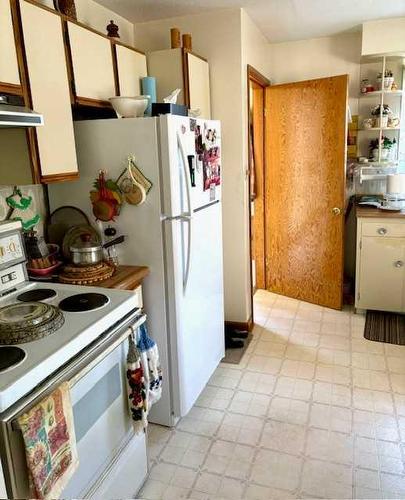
[380, 269]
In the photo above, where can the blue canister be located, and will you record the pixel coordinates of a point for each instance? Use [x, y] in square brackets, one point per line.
[149, 88]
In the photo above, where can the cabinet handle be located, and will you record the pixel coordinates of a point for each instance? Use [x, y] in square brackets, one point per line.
[336, 211]
[399, 263]
[382, 230]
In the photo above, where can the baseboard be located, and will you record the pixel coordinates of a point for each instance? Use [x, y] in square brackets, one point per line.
[244, 326]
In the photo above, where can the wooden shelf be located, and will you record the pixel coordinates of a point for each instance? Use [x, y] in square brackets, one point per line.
[379, 92]
[378, 128]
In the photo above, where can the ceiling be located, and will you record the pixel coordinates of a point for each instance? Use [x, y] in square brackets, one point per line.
[279, 20]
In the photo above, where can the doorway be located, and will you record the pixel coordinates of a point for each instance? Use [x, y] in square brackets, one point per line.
[257, 84]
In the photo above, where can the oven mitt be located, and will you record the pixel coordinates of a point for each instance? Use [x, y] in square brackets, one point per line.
[151, 366]
[136, 387]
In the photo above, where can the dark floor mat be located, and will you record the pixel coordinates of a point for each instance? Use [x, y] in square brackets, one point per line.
[234, 356]
[385, 327]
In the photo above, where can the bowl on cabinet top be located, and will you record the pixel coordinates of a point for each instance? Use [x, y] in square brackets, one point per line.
[130, 107]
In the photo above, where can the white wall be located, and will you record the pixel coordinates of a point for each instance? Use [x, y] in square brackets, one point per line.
[384, 36]
[97, 17]
[218, 37]
[318, 58]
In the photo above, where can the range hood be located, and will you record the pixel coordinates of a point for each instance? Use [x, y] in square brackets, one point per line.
[18, 116]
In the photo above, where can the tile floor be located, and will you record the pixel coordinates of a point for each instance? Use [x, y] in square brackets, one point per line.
[312, 411]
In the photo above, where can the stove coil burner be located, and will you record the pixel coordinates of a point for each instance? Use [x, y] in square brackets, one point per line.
[37, 295]
[10, 357]
[82, 302]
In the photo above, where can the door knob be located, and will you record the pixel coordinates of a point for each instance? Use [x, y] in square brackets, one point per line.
[336, 211]
[399, 263]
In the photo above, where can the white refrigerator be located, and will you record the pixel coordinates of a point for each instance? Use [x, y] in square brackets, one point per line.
[177, 232]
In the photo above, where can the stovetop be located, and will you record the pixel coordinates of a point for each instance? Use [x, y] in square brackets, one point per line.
[44, 356]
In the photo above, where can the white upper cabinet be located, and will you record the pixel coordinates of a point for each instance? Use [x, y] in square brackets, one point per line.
[92, 62]
[176, 68]
[8, 60]
[199, 84]
[131, 67]
[49, 84]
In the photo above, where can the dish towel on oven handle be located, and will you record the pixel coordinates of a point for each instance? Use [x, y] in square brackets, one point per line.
[50, 444]
[136, 387]
[151, 366]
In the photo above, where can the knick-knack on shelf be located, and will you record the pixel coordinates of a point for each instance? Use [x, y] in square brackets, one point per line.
[112, 30]
[66, 7]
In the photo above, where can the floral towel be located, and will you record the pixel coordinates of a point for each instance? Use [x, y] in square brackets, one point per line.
[136, 388]
[50, 444]
[151, 366]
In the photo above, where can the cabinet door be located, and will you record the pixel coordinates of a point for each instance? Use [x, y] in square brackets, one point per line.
[49, 83]
[382, 273]
[199, 85]
[8, 61]
[131, 67]
[92, 64]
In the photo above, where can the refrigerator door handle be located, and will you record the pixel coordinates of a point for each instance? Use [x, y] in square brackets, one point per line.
[188, 260]
[187, 177]
[187, 217]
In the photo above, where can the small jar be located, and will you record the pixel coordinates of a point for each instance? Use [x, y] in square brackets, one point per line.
[363, 86]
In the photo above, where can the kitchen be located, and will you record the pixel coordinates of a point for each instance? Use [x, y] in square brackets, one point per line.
[159, 185]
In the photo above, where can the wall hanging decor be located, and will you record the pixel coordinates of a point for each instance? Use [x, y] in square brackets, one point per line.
[66, 7]
[133, 184]
[106, 198]
[20, 208]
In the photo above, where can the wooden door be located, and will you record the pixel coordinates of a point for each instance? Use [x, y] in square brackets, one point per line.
[305, 148]
[131, 67]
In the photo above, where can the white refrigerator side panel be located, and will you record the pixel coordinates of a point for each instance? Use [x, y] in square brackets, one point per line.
[105, 144]
[196, 307]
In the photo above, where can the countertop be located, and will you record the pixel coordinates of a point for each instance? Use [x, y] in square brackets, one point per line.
[125, 278]
[380, 214]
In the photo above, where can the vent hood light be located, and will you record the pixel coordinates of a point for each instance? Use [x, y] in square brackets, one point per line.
[18, 116]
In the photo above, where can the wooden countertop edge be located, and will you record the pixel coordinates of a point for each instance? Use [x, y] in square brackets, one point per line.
[369, 212]
[125, 278]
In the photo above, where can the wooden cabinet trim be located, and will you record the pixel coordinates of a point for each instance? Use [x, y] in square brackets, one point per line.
[134, 49]
[69, 63]
[96, 103]
[69, 176]
[82, 25]
[185, 78]
[11, 88]
[115, 69]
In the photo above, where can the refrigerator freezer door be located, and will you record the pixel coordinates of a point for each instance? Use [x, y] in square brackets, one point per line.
[195, 302]
[191, 158]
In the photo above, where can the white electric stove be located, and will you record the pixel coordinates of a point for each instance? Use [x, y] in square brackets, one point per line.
[52, 333]
[89, 312]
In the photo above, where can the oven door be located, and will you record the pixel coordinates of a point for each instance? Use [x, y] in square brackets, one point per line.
[102, 424]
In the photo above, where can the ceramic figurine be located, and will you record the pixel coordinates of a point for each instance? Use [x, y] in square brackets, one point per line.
[112, 30]
[66, 7]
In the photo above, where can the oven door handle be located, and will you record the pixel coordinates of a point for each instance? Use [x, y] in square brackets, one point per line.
[78, 368]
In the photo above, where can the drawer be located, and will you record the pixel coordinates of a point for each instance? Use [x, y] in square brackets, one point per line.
[383, 229]
[138, 296]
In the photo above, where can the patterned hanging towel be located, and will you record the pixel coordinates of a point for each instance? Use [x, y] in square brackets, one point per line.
[50, 444]
[151, 366]
[136, 388]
